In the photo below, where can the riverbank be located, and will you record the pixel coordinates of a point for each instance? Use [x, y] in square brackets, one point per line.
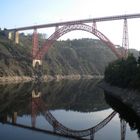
[70, 77]
[15, 79]
[128, 97]
[45, 78]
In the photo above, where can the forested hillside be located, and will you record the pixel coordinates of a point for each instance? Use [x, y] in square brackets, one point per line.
[82, 56]
[14, 59]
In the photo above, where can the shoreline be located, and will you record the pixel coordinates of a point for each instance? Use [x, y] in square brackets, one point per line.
[15, 79]
[130, 98]
[46, 78]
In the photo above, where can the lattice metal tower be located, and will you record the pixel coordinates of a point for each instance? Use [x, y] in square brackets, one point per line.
[125, 39]
[123, 129]
[35, 43]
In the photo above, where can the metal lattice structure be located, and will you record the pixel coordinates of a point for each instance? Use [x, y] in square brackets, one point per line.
[68, 28]
[78, 133]
[123, 129]
[58, 127]
[35, 43]
[125, 40]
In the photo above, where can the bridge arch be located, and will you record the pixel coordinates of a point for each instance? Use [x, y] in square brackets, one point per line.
[59, 127]
[71, 27]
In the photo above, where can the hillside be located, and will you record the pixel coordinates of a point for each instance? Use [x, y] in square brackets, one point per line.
[14, 60]
[83, 56]
[70, 57]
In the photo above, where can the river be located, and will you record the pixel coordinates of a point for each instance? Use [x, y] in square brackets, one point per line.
[66, 109]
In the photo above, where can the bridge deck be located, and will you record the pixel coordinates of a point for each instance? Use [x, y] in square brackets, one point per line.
[98, 19]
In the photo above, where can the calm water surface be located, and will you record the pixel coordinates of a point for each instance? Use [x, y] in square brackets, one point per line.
[61, 109]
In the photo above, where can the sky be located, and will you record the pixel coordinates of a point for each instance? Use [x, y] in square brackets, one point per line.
[18, 13]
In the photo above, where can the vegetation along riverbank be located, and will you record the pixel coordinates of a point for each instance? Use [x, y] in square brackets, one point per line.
[122, 81]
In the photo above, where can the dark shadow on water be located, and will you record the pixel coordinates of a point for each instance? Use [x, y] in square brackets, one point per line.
[124, 112]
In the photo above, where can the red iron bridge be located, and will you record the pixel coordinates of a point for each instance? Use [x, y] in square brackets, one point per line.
[62, 28]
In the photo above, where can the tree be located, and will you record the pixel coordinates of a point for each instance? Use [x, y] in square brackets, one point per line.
[123, 72]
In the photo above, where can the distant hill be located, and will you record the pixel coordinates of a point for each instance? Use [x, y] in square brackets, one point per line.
[82, 56]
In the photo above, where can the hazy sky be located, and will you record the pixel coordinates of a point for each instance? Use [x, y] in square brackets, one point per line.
[17, 13]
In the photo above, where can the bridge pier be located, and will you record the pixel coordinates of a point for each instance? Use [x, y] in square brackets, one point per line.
[92, 134]
[123, 129]
[10, 35]
[34, 109]
[16, 37]
[37, 66]
[36, 94]
[14, 117]
[35, 44]
[36, 62]
[94, 26]
[56, 28]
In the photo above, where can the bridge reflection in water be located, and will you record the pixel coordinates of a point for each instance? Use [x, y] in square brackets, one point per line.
[38, 105]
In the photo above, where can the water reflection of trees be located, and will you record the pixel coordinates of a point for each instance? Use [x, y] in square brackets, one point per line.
[15, 97]
[74, 95]
[125, 113]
